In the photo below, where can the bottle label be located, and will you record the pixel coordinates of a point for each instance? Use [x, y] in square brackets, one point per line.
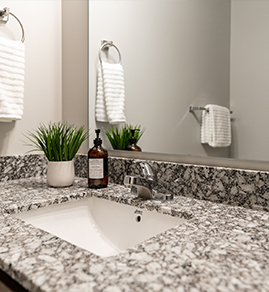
[96, 168]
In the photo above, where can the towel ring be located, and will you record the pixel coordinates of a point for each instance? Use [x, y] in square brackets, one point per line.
[108, 44]
[22, 29]
[5, 13]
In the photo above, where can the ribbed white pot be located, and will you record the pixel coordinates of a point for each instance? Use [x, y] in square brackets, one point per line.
[60, 173]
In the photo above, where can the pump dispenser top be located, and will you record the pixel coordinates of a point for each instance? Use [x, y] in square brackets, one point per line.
[97, 140]
[132, 146]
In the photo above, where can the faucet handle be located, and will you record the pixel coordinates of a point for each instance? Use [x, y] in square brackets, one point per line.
[148, 171]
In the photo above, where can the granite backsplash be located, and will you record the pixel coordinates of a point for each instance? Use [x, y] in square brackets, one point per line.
[246, 188]
[22, 166]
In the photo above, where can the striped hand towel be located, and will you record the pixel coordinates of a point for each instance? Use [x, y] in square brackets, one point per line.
[110, 99]
[12, 61]
[216, 126]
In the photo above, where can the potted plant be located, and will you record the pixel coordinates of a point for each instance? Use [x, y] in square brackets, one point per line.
[60, 142]
[119, 137]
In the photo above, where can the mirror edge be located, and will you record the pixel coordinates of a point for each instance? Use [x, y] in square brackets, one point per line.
[194, 160]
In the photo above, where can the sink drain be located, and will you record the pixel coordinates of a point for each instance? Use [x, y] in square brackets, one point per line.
[138, 218]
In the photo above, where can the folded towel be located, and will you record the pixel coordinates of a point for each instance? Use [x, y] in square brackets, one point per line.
[216, 126]
[12, 62]
[110, 98]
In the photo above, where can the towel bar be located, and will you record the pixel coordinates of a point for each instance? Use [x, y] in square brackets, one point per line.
[106, 45]
[4, 16]
[194, 108]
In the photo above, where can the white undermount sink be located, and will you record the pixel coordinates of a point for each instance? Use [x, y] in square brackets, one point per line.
[100, 226]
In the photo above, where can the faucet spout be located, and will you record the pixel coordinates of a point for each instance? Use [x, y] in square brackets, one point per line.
[144, 185]
[144, 189]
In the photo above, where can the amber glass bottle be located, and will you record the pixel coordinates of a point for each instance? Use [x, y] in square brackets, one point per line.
[97, 164]
[132, 146]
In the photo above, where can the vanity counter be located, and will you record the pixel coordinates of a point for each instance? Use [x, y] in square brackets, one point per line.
[219, 248]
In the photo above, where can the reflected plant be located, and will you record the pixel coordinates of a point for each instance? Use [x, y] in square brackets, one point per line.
[119, 137]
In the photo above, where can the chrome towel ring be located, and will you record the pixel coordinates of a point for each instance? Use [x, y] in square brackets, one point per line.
[105, 45]
[4, 16]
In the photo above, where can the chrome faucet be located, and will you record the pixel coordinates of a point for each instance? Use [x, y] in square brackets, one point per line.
[145, 185]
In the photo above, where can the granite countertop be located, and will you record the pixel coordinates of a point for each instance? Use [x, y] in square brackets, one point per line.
[218, 248]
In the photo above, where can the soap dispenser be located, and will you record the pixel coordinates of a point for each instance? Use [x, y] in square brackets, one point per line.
[97, 164]
[132, 146]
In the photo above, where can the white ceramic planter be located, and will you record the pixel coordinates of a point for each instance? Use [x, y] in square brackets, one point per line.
[60, 173]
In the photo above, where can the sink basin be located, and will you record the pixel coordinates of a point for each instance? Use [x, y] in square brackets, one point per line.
[100, 226]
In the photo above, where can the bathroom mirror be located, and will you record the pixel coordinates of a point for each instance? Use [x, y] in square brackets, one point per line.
[177, 53]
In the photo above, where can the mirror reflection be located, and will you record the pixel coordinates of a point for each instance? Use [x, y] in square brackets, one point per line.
[177, 53]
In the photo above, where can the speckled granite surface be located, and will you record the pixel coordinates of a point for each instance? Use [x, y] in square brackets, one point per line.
[234, 187]
[219, 248]
[22, 166]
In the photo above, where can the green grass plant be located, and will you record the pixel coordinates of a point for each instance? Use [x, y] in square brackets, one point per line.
[59, 141]
[119, 137]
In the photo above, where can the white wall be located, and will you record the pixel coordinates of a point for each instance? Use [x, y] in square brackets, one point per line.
[175, 54]
[43, 97]
[249, 79]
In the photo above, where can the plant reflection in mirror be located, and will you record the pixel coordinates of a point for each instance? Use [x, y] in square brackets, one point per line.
[119, 137]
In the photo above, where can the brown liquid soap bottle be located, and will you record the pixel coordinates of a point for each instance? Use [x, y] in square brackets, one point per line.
[132, 146]
[97, 164]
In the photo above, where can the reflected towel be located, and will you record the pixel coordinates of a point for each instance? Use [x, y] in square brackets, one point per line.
[110, 98]
[216, 126]
[12, 61]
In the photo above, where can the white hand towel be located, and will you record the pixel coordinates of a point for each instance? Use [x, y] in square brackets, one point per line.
[110, 99]
[216, 126]
[100, 107]
[12, 61]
